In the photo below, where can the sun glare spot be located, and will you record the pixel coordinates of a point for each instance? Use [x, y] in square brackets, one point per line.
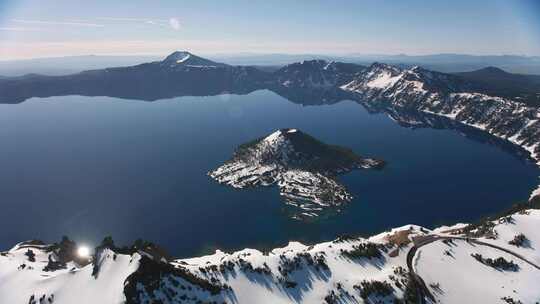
[83, 251]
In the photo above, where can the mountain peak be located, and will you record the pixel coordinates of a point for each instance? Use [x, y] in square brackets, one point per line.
[184, 58]
[178, 56]
[316, 74]
[493, 70]
[306, 65]
[383, 66]
[281, 133]
[315, 62]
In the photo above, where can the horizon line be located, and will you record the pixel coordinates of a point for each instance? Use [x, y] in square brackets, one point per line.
[239, 54]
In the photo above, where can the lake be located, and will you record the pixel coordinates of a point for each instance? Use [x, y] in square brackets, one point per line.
[88, 167]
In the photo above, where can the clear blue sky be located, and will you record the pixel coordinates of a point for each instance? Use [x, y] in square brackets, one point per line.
[44, 28]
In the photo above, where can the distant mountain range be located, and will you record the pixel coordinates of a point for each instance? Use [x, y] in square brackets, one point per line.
[316, 74]
[183, 73]
[449, 63]
[495, 81]
[179, 74]
[68, 65]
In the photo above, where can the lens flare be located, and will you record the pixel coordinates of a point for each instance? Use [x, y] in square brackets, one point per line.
[83, 251]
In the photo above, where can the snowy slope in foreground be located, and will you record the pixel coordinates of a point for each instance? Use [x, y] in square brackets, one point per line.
[460, 264]
[72, 284]
[456, 277]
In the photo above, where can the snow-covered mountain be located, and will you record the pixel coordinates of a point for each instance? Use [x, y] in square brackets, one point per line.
[383, 80]
[303, 168]
[496, 261]
[448, 95]
[183, 59]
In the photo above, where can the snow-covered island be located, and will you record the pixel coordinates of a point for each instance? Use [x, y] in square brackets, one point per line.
[303, 168]
[495, 261]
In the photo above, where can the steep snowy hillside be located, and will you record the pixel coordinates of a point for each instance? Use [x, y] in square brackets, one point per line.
[493, 262]
[303, 168]
[450, 96]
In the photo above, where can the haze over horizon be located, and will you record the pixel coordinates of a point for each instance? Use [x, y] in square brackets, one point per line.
[279, 55]
[46, 28]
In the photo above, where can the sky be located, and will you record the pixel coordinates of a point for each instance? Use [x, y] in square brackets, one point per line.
[52, 28]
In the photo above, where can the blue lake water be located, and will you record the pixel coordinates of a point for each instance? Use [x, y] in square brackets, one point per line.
[87, 167]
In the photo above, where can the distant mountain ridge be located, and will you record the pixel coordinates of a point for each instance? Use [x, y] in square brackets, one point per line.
[316, 74]
[183, 73]
[448, 63]
[180, 74]
[495, 81]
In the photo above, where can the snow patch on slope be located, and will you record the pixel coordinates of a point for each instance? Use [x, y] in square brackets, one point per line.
[459, 278]
[383, 80]
[186, 57]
